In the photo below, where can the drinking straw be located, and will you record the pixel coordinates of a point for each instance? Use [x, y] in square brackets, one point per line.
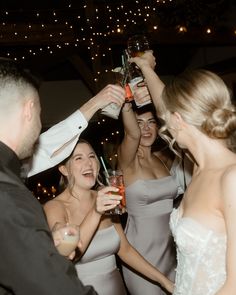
[105, 170]
[122, 60]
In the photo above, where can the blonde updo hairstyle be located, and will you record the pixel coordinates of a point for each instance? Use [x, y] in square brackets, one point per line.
[203, 100]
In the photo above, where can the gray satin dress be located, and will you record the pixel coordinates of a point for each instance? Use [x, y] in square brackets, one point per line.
[98, 268]
[149, 204]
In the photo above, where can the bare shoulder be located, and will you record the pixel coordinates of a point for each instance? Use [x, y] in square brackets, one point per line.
[56, 203]
[229, 171]
[228, 182]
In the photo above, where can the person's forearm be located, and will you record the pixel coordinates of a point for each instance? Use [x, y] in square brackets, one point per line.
[155, 86]
[55, 144]
[132, 258]
[130, 122]
[89, 108]
[87, 229]
[128, 148]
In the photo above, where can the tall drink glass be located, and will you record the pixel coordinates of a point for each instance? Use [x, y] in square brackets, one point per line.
[66, 237]
[115, 178]
[137, 45]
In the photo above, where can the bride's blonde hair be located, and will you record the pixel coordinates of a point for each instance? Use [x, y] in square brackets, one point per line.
[203, 100]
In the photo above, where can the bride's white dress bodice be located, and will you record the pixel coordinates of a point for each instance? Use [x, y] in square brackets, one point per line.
[201, 257]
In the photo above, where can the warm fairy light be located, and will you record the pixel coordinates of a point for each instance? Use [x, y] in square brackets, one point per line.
[182, 29]
[208, 31]
[76, 24]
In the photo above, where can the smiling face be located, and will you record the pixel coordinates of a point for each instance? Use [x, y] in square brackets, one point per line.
[149, 129]
[82, 168]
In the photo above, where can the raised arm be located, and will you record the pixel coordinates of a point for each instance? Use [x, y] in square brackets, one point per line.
[129, 145]
[57, 143]
[155, 86]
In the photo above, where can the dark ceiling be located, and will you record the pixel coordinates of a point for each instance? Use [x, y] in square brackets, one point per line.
[60, 40]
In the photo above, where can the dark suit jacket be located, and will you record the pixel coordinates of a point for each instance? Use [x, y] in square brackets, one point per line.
[29, 261]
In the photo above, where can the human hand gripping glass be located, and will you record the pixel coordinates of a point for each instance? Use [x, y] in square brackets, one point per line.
[147, 59]
[66, 237]
[112, 110]
[107, 199]
[138, 46]
[115, 178]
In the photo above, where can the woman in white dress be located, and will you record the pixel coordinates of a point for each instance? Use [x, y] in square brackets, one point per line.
[201, 118]
[102, 236]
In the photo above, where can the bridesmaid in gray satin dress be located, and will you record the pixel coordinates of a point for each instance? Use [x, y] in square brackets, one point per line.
[152, 182]
[102, 236]
[149, 204]
[98, 267]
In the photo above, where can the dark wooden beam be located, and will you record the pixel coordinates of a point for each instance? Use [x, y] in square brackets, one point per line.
[84, 71]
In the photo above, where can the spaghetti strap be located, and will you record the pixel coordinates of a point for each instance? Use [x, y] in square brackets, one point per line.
[163, 163]
[67, 216]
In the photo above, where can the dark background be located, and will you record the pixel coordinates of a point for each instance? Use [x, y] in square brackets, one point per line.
[83, 40]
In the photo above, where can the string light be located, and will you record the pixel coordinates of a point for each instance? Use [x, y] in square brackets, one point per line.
[43, 193]
[69, 16]
[208, 31]
[182, 29]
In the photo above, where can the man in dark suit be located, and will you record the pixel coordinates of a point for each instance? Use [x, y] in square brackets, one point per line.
[29, 261]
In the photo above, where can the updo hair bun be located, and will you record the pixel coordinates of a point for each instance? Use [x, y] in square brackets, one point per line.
[221, 124]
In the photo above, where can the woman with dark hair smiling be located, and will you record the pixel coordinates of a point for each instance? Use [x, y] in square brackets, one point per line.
[153, 179]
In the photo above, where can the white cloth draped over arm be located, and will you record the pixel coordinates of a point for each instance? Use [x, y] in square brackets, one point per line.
[56, 144]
